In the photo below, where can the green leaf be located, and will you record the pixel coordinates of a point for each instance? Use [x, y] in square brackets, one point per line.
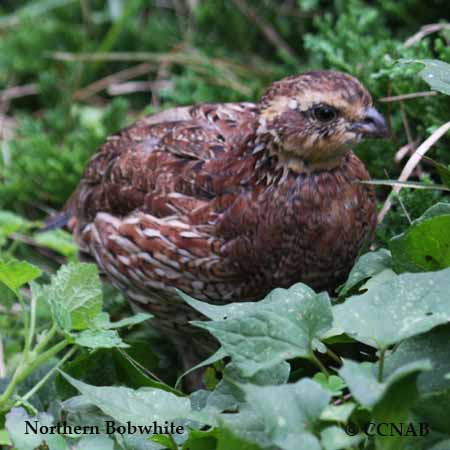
[14, 273]
[287, 413]
[99, 339]
[101, 321]
[367, 266]
[443, 445]
[227, 440]
[434, 409]
[217, 439]
[98, 442]
[24, 439]
[284, 325]
[333, 384]
[4, 438]
[140, 407]
[407, 305]
[425, 245]
[442, 169]
[274, 300]
[391, 400]
[164, 440]
[433, 346]
[436, 73]
[335, 438]
[337, 413]
[201, 440]
[362, 380]
[75, 296]
[11, 223]
[228, 394]
[438, 209]
[58, 240]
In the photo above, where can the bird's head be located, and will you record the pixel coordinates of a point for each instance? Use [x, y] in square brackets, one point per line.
[316, 117]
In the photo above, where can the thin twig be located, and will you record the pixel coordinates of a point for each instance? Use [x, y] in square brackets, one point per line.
[2, 360]
[406, 124]
[405, 211]
[398, 98]
[425, 31]
[103, 83]
[405, 150]
[190, 59]
[131, 87]
[18, 91]
[87, 16]
[411, 164]
[266, 28]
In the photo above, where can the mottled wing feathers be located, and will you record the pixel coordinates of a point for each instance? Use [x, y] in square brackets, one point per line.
[148, 206]
[190, 151]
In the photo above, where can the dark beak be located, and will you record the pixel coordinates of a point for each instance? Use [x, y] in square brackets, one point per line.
[372, 125]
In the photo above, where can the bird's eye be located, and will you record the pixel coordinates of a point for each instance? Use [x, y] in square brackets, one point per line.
[324, 113]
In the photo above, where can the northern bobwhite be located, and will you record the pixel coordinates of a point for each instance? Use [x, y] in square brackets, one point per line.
[228, 201]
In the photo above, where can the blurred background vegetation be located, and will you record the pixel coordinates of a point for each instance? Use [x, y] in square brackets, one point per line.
[74, 71]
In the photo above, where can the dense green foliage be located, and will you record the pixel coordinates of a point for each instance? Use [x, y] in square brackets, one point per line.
[74, 71]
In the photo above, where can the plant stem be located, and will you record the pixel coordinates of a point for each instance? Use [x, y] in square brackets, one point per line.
[381, 365]
[334, 356]
[26, 318]
[32, 328]
[49, 374]
[46, 339]
[319, 364]
[27, 366]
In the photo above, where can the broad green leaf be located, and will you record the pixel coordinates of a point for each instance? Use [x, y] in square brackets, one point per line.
[287, 413]
[278, 298]
[443, 445]
[99, 339]
[442, 169]
[362, 380]
[407, 305]
[337, 413]
[438, 209]
[24, 438]
[380, 278]
[101, 321]
[425, 245]
[367, 266]
[227, 440]
[165, 441]
[228, 394]
[434, 346]
[335, 438]
[436, 73]
[4, 438]
[391, 400]
[333, 384]
[140, 407]
[283, 326]
[215, 357]
[14, 273]
[75, 296]
[11, 223]
[434, 409]
[99, 442]
[58, 240]
[201, 440]
[216, 439]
